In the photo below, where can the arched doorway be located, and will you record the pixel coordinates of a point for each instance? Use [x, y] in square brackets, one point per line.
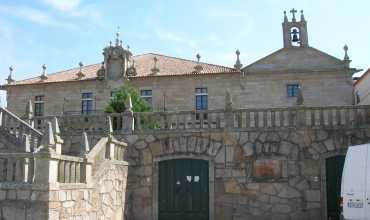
[183, 189]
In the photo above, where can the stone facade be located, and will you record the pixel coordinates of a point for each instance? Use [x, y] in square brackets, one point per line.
[248, 91]
[362, 86]
[266, 151]
[296, 192]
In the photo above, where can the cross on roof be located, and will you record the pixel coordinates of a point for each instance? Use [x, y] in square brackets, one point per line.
[293, 11]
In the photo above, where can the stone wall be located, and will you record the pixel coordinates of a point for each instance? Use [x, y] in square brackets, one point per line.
[248, 91]
[295, 190]
[362, 88]
[104, 198]
[19, 202]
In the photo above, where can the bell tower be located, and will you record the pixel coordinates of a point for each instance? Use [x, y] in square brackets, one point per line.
[295, 32]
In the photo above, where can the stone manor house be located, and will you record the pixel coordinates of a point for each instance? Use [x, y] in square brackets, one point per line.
[263, 141]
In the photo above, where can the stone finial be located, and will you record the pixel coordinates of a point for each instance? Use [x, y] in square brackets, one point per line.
[155, 69]
[110, 125]
[101, 72]
[285, 17]
[29, 109]
[110, 43]
[198, 57]
[302, 16]
[198, 68]
[228, 100]
[26, 143]
[346, 57]
[300, 99]
[80, 73]
[85, 143]
[10, 77]
[129, 103]
[56, 126]
[293, 11]
[43, 75]
[48, 138]
[117, 37]
[238, 65]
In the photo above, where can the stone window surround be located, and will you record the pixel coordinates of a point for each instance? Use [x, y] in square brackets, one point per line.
[155, 177]
[324, 210]
[291, 84]
[145, 96]
[86, 100]
[39, 101]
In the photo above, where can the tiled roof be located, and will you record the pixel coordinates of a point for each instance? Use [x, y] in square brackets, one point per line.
[168, 66]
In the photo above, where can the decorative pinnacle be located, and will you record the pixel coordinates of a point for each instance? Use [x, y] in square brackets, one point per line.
[293, 11]
[10, 77]
[43, 75]
[117, 37]
[302, 16]
[345, 48]
[285, 17]
[198, 57]
[155, 68]
[238, 65]
[80, 74]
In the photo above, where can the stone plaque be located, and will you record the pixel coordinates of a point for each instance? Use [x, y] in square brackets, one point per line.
[267, 168]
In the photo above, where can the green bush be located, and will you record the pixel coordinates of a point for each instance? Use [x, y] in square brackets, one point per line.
[119, 101]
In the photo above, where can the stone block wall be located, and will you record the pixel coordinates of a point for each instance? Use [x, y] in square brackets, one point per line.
[104, 198]
[250, 90]
[294, 190]
[18, 201]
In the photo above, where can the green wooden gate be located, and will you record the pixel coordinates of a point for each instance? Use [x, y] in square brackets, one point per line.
[183, 190]
[334, 169]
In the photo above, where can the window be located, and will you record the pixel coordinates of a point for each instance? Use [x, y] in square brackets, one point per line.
[39, 105]
[146, 94]
[113, 93]
[87, 103]
[201, 99]
[292, 90]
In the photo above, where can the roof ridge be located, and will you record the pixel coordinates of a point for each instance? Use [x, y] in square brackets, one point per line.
[184, 59]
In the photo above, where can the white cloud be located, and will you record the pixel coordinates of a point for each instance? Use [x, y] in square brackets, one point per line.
[33, 15]
[74, 9]
[176, 38]
[63, 5]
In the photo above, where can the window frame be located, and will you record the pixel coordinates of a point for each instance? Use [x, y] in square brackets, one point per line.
[88, 101]
[292, 93]
[39, 103]
[202, 93]
[146, 96]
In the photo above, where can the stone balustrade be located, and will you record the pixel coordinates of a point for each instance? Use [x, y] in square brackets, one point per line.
[17, 167]
[71, 169]
[235, 119]
[16, 129]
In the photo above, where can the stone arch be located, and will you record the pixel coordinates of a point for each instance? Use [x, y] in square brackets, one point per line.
[175, 156]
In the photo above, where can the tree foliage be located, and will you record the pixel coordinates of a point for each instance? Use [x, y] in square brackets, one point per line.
[120, 100]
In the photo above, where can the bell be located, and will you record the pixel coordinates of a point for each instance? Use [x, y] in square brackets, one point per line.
[295, 38]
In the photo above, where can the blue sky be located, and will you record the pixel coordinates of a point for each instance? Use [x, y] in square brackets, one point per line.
[61, 33]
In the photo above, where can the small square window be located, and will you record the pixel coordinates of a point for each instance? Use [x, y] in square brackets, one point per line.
[292, 90]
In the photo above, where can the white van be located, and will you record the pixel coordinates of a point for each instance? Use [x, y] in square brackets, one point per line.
[355, 188]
